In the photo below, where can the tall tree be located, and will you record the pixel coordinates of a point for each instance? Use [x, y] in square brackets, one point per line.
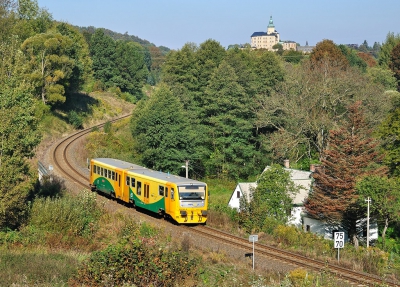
[18, 136]
[350, 155]
[327, 54]
[386, 49]
[8, 18]
[160, 127]
[102, 49]
[269, 70]
[180, 73]
[208, 56]
[389, 133]
[130, 72]
[227, 119]
[32, 19]
[394, 63]
[385, 195]
[49, 65]
[79, 53]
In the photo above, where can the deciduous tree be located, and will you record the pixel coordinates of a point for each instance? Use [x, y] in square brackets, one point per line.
[49, 65]
[227, 120]
[271, 198]
[394, 63]
[385, 195]
[160, 127]
[18, 136]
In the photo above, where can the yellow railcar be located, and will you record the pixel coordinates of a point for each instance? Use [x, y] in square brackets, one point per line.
[182, 199]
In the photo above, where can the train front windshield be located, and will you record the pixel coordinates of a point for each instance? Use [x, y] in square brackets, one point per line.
[192, 192]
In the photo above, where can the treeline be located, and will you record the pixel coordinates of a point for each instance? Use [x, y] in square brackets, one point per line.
[231, 112]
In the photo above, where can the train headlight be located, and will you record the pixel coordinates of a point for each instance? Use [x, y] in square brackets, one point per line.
[204, 213]
[183, 213]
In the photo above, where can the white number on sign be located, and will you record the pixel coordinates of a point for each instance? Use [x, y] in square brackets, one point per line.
[339, 239]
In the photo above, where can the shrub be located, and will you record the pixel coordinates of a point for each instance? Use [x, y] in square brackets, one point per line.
[287, 235]
[75, 119]
[130, 262]
[50, 186]
[68, 215]
[300, 277]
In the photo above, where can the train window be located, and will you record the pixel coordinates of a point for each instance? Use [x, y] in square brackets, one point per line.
[139, 188]
[166, 192]
[109, 173]
[101, 171]
[98, 170]
[94, 168]
[128, 180]
[172, 193]
[132, 182]
[161, 190]
[113, 175]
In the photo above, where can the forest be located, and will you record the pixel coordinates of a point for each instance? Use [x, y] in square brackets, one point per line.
[230, 112]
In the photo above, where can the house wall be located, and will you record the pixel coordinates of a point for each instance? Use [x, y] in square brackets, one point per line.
[325, 230]
[234, 202]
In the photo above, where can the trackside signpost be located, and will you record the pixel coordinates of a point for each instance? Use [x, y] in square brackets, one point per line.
[253, 238]
[339, 242]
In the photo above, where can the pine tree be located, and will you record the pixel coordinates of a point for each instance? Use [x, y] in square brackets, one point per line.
[350, 155]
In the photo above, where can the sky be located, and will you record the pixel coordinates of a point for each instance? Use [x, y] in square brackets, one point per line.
[173, 23]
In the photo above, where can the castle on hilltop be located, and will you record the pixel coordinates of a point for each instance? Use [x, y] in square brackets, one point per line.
[267, 40]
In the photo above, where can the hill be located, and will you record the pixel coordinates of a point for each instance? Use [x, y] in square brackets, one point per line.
[125, 37]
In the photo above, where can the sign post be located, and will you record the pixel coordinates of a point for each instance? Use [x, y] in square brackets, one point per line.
[253, 238]
[339, 242]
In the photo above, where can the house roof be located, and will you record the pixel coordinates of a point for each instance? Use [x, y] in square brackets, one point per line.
[299, 177]
[247, 188]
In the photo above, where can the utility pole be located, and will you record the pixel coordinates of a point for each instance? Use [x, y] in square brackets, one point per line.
[187, 168]
[368, 201]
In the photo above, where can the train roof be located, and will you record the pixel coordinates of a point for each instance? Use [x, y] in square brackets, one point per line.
[134, 168]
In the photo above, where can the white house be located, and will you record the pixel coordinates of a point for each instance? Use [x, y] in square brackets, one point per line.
[299, 217]
[299, 177]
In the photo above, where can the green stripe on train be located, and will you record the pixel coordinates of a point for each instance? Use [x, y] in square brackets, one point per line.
[104, 185]
[155, 206]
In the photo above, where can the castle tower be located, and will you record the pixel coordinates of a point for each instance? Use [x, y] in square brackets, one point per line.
[271, 26]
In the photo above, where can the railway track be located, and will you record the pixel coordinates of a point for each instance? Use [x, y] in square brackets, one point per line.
[67, 170]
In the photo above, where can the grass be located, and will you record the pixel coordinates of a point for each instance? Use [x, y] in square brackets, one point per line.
[36, 268]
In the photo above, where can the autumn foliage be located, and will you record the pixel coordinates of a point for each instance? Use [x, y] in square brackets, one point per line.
[348, 157]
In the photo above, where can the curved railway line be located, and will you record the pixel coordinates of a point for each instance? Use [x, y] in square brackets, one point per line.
[66, 170]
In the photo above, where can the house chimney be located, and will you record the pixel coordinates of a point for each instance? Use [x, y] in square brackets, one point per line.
[312, 167]
[286, 163]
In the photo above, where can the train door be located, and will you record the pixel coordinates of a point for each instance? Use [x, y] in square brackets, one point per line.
[139, 190]
[118, 183]
[126, 180]
[146, 193]
[167, 199]
[172, 201]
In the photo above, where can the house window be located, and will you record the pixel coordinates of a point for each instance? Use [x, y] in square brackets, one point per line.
[238, 194]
